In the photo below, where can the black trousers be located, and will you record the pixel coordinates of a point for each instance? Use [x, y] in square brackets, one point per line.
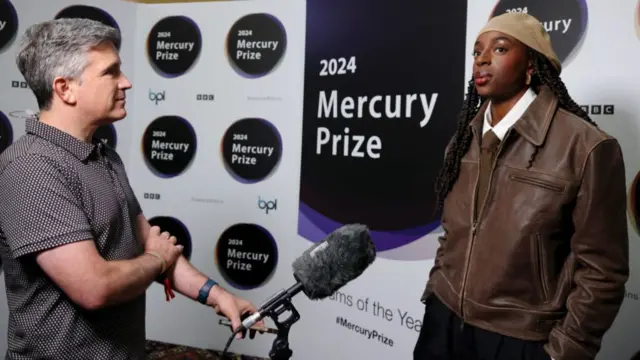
[443, 337]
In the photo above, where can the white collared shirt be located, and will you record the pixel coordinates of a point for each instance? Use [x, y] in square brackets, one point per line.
[511, 117]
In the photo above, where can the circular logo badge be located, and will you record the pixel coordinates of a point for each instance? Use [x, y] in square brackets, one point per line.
[176, 228]
[107, 134]
[173, 46]
[634, 203]
[251, 150]
[8, 24]
[256, 44]
[169, 146]
[6, 132]
[564, 20]
[87, 12]
[246, 255]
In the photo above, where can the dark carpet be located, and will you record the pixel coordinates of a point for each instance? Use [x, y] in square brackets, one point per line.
[164, 351]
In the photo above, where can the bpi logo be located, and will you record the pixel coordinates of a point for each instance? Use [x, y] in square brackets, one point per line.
[564, 20]
[157, 97]
[267, 206]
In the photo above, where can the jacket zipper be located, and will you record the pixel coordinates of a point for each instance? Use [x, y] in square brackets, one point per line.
[474, 221]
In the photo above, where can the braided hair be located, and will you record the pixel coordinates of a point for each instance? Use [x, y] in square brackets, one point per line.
[544, 74]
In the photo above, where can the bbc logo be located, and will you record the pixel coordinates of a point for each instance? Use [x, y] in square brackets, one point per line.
[598, 109]
[205, 97]
[19, 84]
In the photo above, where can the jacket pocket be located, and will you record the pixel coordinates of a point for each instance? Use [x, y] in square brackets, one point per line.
[540, 267]
[545, 184]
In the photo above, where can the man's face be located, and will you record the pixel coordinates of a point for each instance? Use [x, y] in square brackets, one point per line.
[101, 93]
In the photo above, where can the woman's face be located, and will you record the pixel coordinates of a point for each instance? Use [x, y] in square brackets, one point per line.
[500, 66]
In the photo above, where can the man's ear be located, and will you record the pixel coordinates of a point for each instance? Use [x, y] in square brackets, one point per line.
[65, 90]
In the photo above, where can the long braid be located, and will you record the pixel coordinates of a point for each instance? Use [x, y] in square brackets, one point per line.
[459, 146]
[546, 74]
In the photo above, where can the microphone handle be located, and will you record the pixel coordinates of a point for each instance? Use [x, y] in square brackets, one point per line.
[272, 304]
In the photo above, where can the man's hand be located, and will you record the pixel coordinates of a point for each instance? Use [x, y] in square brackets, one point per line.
[230, 306]
[163, 245]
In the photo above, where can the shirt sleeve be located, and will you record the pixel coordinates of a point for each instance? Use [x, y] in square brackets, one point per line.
[39, 209]
[132, 199]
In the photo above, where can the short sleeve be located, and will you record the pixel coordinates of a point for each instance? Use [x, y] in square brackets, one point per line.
[120, 168]
[39, 209]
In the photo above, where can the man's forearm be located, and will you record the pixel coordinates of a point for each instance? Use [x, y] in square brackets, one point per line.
[186, 279]
[124, 280]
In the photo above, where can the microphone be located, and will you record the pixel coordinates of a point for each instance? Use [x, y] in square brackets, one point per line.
[324, 268]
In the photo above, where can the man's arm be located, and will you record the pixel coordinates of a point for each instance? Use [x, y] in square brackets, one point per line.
[41, 216]
[184, 277]
[600, 245]
[187, 280]
[91, 281]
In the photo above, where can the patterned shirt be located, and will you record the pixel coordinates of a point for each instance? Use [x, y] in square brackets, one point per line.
[55, 190]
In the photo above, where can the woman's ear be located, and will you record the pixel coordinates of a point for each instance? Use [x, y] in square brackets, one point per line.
[530, 71]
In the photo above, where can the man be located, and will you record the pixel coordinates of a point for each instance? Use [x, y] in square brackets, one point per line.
[77, 250]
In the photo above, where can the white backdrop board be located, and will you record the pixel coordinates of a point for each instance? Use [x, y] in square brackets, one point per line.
[226, 146]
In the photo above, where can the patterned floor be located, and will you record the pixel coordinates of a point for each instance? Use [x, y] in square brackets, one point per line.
[163, 351]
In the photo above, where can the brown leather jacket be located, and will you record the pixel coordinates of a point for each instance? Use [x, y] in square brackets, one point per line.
[547, 257]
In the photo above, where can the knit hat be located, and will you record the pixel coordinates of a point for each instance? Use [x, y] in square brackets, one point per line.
[528, 30]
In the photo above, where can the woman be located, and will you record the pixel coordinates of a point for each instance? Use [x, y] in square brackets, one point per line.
[534, 258]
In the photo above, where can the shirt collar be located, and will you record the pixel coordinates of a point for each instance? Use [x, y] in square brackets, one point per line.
[80, 149]
[511, 117]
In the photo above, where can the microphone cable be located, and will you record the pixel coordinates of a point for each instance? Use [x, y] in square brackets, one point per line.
[224, 355]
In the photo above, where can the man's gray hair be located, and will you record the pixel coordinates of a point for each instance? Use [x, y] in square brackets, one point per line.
[59, 48]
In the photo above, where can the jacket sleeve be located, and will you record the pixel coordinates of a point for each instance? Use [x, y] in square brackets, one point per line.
[441, 239]
[600, 245]
[436, 265]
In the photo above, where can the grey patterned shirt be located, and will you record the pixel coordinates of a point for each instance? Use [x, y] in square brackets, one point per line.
[54, 190]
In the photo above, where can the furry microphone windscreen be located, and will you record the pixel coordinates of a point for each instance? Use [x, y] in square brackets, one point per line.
[329, 265]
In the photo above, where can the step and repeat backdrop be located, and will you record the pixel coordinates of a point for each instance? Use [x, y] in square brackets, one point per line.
[256, 128]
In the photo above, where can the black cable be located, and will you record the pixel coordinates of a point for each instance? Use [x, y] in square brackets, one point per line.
[229, 341]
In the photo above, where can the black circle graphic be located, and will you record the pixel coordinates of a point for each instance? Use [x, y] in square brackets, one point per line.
[255, 44]
[6, 132]
[88, 12]
[173, 45]
[251, 149]
[107, 134]
[8, 23]
[176, 228]
[564, 20]
[246, 255]
[169, 145]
